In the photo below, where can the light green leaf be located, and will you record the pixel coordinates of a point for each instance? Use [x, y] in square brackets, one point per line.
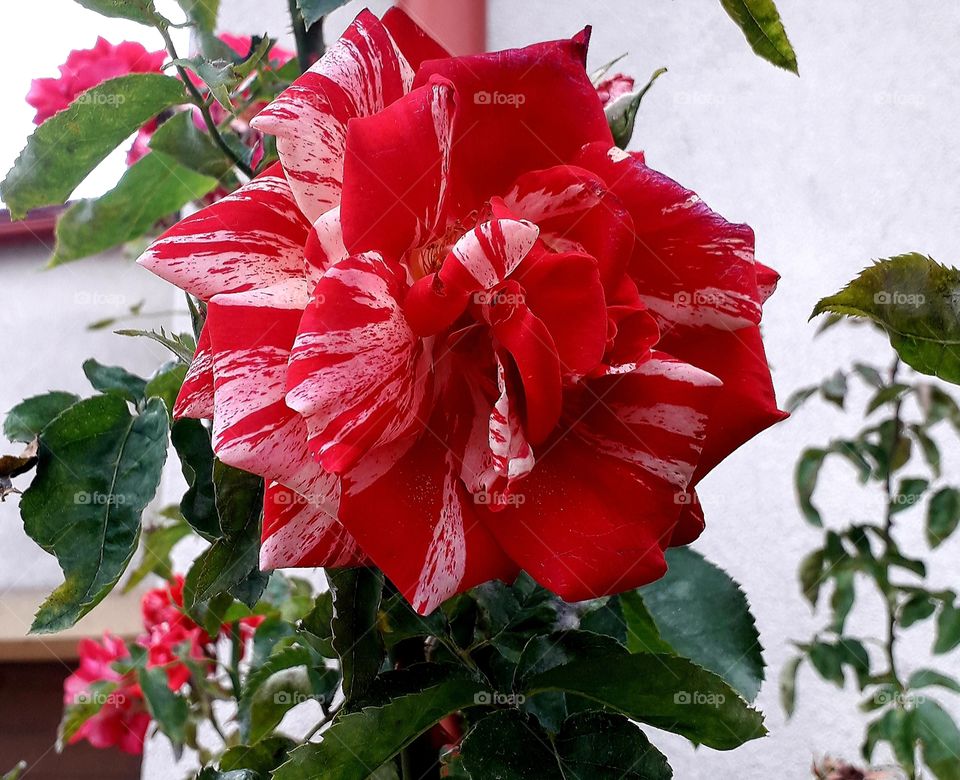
[223, 76]
[203, 13]
[99, 467]
[154, 187]
[916, 301]
[760, 22]
[65, 148]
[702, 613]
[788, 685]
[925, 678]
[643, 636]
[142, 11]
[25, 421]
[158, 543]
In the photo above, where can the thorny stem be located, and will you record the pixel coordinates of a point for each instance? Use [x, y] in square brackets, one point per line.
[202, 105]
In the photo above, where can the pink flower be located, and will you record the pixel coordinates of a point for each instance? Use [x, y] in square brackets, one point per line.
[460, 333]
[122, 719]
[85, 68]
[162, 643]
[610, 89]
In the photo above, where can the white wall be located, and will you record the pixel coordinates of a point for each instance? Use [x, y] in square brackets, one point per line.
[856, 159]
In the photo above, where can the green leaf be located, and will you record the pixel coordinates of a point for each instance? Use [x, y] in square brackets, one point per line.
[948, 629]
[703, 615]
[356, 638]
[834, 388]
[760, 22]
[99, 467]
[154, 187]
[939, 740]
[925, 678]
[897, 728]
[222, 76]
[180, 344]
[915, 609]
[203, 13]
[142, 11]
[622, 113]
[869, 374]
[643, 636]
[180, 138]
[81, 708]
[261, 758]
[65, 148]
[589, 746]
[913, 298]
[158, 543]
[25, 421]
[811, 576]
[886, 395]
[788, 685]
[910, 492]
[169, 710]
[842, 600]
[114, 380]
[165, 384]
[198, 506]
[314, 10]
[805, 478]
[943, 515]
[931, 452]
[827, 659]
[664, 691]
[370, 737]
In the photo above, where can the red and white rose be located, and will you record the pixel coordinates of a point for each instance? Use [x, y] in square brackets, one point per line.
[460, 333]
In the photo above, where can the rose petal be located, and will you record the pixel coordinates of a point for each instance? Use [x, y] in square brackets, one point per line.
[195, 398]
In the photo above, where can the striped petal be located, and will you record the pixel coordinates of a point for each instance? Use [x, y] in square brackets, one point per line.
[358, 375]
[252, 238]
[195, 398]
[251, 335]
[298, 533]
[360, 74]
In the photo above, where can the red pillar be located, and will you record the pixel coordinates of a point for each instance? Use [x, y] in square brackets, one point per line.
[459, 25]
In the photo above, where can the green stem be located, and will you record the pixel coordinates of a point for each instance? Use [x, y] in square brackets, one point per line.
[202, 105]
[309, 42]
[236, 648]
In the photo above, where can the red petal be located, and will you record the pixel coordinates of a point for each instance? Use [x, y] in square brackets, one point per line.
[358, 374]
[359, 75]
[297, 533]
[414, 44]
[396, 170]
[195, 398]
[250, 239]
[436, 547]
[520, 109]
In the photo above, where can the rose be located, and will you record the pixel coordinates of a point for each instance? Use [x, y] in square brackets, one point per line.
[122, 718]
[616, 86]
[487, 306]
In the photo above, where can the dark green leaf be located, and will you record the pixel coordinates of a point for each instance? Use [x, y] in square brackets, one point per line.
[948, 629]
[788, 685]
[841, 602]
[203, 13]
[702, 613]
[180, 138]
[356, 638]
[811, 576]
[805, 478]
[165, 384]
[869, 374]
[142, 11]
[169, 710]
[834, 388]
[760, 22]
[943, 515]
[314, 10]
[827, 659]
[664, 691]
[192, 442]
[590, 746]
[643, 636]
[261, 758]
[65, 148]
[25, 421]
[910, 492]
[154, 187]
[99, 467]
[931, 452]
[115, 380]
[897, 728]
[925, 678]
[370, 737]
[914, 299]
[886, 395]
[915, 609]
[939, 740]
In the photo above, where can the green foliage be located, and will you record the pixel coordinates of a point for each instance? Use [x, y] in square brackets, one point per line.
[314, 10]
[142, 11]
[912, 725]
[913, 298]
[180, 139]
[154, 187]
[99, 466]
[25, 421]
[203, 13]
[622, 112]
[356, 600]
[760, 22]
[69, 145]
[222, 76]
